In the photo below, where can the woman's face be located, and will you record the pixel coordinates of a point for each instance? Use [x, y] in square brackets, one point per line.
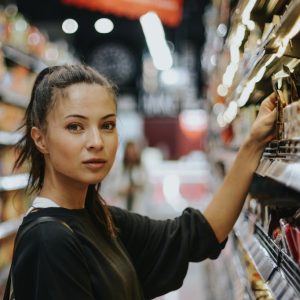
[81, 138]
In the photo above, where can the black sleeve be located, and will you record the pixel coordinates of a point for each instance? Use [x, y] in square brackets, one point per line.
[49, 265]
[161, 250]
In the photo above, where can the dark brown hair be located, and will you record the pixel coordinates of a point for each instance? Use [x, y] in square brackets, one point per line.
[48, 83]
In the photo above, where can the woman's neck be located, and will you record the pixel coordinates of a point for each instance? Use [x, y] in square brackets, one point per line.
[67, 195]
[66, 200]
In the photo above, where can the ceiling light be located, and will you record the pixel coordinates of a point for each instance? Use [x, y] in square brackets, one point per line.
[104, 25]
[156, 41]
[69, 26]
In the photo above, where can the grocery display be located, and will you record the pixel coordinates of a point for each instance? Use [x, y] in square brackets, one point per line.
[24, 51]
[254, 53]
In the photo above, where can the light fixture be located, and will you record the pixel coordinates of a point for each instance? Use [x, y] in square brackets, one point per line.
[104, 25]
[193, 120]
[69, 26]
[156, 42]
[221, 120]
[231, 112]
[222, 90]
[175, 77]
[21, 25]
[247, 12]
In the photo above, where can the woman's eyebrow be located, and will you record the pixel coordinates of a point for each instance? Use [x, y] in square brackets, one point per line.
[76, 116]
[84, 117]
[108, 116]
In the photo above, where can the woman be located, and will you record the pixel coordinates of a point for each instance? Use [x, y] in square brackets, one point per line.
[106, 252]
[131, 184]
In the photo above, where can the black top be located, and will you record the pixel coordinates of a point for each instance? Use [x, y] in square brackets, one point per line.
[149, 258]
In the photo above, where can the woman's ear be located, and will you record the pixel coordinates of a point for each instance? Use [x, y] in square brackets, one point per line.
[39, 139]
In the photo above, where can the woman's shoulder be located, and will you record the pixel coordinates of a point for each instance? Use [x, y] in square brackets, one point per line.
[44, 231]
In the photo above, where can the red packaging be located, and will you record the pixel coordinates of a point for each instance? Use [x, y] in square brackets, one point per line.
[289, 231]
[288, 240]
[296, 239]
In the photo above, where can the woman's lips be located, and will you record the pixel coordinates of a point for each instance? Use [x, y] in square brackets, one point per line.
[95, 164]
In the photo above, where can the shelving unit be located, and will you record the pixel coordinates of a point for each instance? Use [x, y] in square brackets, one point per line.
[245, 288]
[9, 227]
[13, 98]
[272, 53]
[285, 172]
[18, 56]
[13, 182]
[281, 274]
[249, 46]
[24, 52]
[9, 138]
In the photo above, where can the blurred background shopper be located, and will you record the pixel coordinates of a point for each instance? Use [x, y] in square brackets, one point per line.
[132, 179]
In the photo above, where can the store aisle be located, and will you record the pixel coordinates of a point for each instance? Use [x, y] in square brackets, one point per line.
[175, 186]
[194, 286]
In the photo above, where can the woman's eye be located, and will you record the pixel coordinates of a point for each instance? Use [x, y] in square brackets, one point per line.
[109, 126]
[74, 127]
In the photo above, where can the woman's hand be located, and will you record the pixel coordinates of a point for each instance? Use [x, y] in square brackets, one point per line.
[263, 128]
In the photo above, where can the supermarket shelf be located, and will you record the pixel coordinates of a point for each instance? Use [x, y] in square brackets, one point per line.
[287, 173]
[12, 97]
[9, 138]
[269, 47]
[288, 20]
[4, 275]
[280, 273]
[9, 227]
[239, 268]
[13, 182]
[22, 58]
[287, 266]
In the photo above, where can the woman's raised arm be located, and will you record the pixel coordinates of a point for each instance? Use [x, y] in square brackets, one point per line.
[227, 203]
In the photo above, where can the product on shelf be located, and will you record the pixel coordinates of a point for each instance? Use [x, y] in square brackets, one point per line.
[258, 285]
[7, 160]
[287, 239]
[260, 51]
[24, 51]
[19, 80]
[11, 117]
[6, 250]
[14, 205]
[288, 104]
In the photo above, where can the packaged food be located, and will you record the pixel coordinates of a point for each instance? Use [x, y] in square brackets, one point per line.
[288, 240]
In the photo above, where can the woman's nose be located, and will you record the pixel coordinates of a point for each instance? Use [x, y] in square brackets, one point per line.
[95, 140]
